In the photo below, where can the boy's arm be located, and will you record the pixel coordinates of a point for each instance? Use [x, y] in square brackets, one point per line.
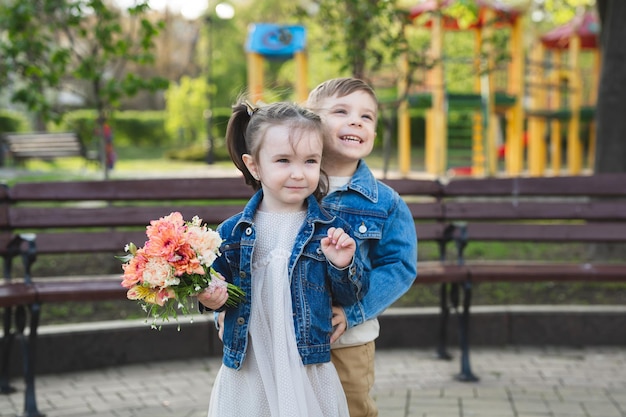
[394, 267]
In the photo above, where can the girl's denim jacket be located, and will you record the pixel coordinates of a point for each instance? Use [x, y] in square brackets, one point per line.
[384, 230]
[312, 280]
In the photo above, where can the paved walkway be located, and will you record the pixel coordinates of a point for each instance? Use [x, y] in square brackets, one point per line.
[525, 382]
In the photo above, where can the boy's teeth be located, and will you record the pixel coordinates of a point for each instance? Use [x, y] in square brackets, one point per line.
[354, 138]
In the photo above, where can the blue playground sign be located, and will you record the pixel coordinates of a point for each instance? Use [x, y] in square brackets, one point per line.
[275, 41]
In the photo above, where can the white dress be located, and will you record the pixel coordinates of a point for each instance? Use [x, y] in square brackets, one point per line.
[272, 381]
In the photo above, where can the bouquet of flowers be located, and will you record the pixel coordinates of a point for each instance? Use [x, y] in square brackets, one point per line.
[174, 265]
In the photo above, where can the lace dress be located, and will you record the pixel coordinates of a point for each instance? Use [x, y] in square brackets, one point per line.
[273, 382]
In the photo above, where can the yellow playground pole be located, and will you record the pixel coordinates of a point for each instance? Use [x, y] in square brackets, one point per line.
[514, 156]
[556, 151]
[536, 123]
[404, 122]
[255, 76]
[478, 147]
[437, 137]
[491, 125]
[574, 147]
[302, 89]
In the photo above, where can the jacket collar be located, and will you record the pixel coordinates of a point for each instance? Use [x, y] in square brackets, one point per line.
[314, 211]
[364, 182]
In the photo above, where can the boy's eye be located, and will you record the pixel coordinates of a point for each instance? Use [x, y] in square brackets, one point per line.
[339, 111]
[367, 116]
[282, 160]
[311, 161]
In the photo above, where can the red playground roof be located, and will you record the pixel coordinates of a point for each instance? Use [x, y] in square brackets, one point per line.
[505, 14]
[586, 26]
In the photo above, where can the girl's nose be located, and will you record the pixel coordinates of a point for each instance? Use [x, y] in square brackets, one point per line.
[296, 173]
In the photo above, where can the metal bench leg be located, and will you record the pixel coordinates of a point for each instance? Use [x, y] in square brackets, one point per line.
[466, 374]
[444, 310]
[29, 349]
[444, 314]
[7, 345]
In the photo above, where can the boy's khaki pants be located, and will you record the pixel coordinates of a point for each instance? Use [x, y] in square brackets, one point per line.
[355, 366]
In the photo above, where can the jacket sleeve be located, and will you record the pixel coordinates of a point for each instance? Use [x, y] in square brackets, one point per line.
[393, 266]
[349, 284]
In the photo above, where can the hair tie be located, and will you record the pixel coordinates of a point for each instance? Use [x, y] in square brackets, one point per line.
[251, 108]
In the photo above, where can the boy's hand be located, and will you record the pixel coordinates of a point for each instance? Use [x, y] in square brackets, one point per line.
[220, 325]
[339, 247]
[339, 322]
[214, 298]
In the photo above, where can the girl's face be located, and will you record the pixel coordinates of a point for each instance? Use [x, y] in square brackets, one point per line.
[289, 171]
[351, 121]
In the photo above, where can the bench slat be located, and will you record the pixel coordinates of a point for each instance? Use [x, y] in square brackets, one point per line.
[132, 190]
[51, 217]
[533, 272]
[82, 289]
[593, 185]
[590, 233]
[16, 293]
[595, 210]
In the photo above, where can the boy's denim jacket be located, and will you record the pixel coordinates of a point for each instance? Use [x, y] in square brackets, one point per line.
[384, 230]
[312, 280]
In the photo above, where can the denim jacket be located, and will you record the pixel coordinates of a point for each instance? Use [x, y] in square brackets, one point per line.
[312, 279]
[384, 230]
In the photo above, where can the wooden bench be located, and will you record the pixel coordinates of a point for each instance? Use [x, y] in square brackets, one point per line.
[42, 145]
[86, 217]
[568, 211]
[103, 216]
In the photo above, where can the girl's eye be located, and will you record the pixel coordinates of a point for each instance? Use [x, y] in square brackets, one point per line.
[339, 111]
[282, 160]
[311, 161]
[367, 116]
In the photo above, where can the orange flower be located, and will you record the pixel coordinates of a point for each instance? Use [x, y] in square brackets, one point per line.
[165, 236]
[133, 270]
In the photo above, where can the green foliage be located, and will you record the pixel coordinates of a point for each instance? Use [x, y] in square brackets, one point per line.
[140, 128]
[130, 128]
[186, 103]
[48, 43]
[11, 121]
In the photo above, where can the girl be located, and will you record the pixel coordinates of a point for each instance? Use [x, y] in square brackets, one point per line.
[293, 260]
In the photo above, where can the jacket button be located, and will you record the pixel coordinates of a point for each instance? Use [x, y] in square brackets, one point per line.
[240, 320]
[248, 231]
[318, 251]
[362, 228]
[242, 274]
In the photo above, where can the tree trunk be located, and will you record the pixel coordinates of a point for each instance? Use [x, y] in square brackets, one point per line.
[611, 103]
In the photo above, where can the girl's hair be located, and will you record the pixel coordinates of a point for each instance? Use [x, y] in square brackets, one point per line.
[247, 129]
[338, 87]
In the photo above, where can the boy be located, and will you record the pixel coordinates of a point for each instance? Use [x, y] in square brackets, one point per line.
[381, 223]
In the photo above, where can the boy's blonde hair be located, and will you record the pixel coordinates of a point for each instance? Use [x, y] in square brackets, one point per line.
[338, 87]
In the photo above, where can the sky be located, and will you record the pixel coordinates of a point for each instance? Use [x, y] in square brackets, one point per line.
[190, 9]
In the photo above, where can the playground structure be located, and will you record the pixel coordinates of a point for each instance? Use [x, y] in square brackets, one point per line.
[269, 41]
[532, 98]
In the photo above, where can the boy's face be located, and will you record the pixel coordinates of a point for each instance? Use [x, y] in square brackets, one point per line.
[352, 122]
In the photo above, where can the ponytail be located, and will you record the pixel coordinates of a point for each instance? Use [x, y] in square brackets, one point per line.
[236, 141]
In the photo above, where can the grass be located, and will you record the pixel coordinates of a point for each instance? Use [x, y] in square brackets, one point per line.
[135, 162]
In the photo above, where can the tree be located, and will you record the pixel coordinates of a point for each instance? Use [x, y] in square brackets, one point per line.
[611, 103]
[53, 45]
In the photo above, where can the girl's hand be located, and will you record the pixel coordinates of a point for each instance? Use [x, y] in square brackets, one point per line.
[213, 298]
[339, 247]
